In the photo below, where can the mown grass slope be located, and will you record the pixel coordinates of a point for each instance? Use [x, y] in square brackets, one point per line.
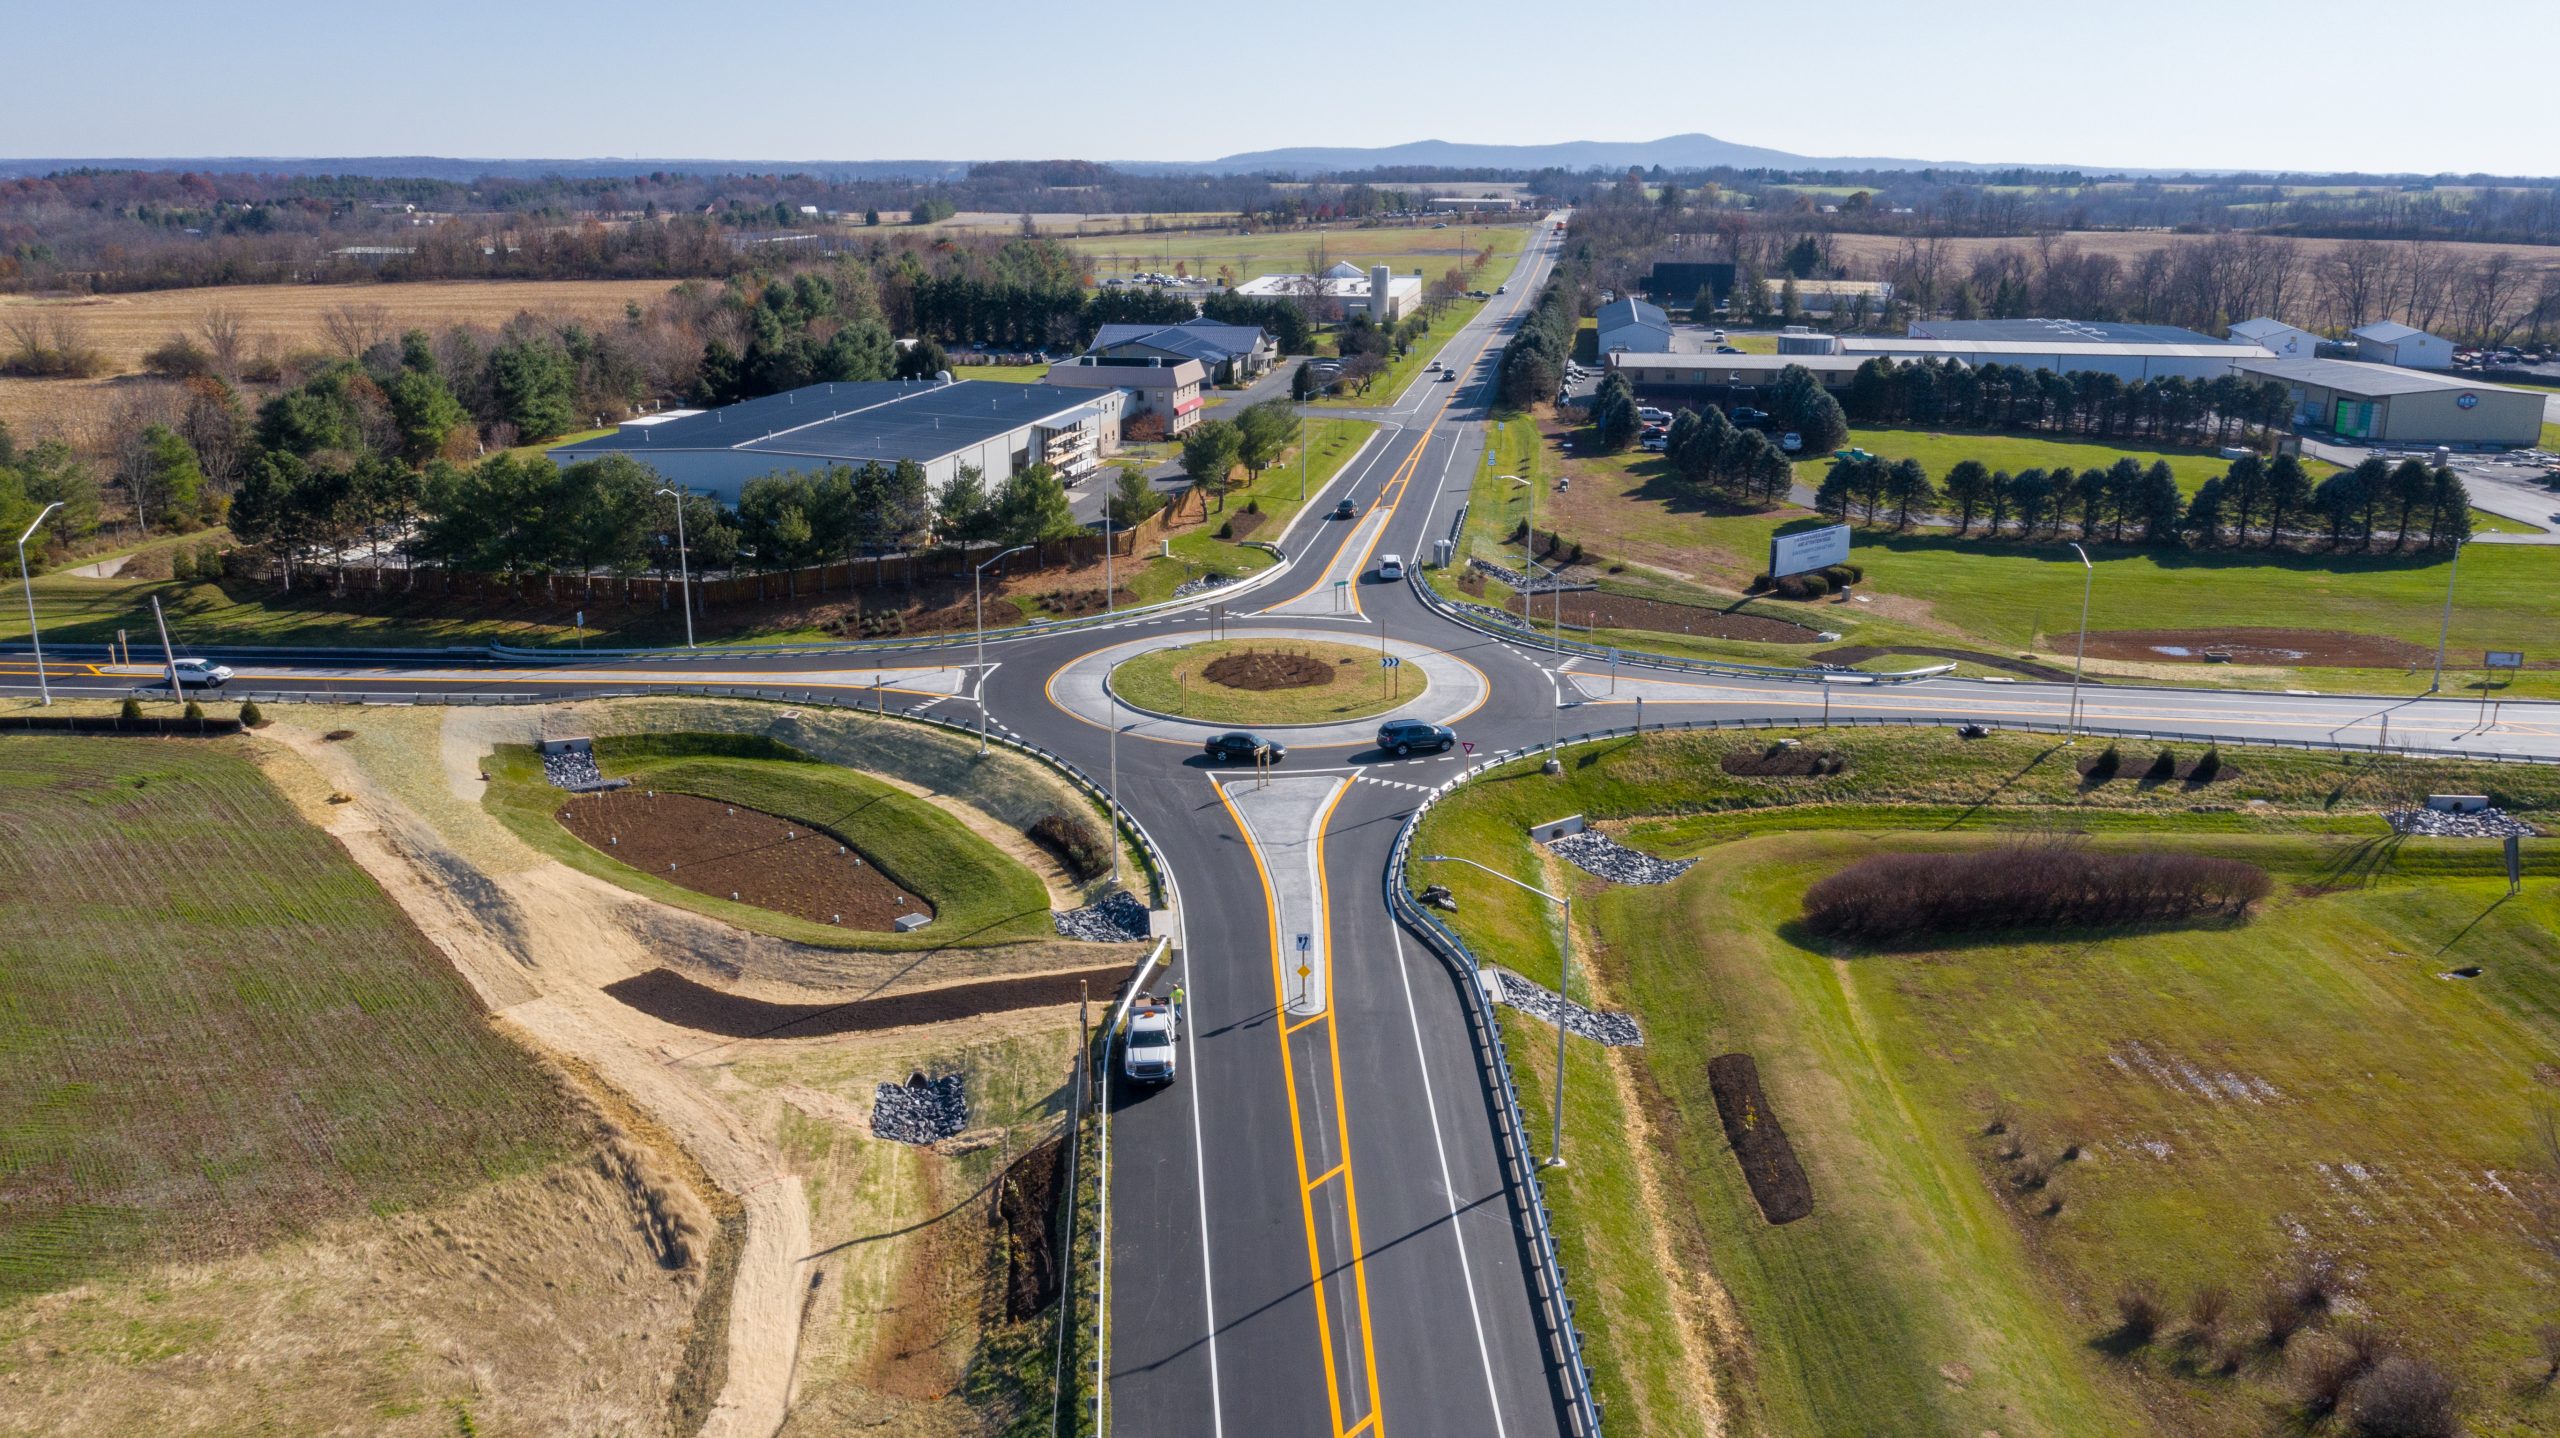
[979, 895]
[214, 1030]
[2301, 1088]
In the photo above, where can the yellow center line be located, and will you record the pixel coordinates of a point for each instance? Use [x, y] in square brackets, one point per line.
[1342, 1122]
[1320, 1180]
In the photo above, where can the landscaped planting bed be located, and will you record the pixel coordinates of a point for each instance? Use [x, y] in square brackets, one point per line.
[781, 863]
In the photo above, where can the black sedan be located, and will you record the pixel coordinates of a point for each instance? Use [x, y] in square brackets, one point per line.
[1346, 510]
[1404, 736]
[1240, 746]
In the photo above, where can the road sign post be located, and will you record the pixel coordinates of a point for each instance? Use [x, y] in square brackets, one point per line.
[2515, 863]
[1306, 964]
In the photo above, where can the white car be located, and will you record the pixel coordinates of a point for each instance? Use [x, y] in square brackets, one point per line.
[1390, 568]
[1147, 1055]
[198, 673]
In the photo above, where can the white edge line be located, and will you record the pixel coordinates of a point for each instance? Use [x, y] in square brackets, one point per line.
[1448, 1187]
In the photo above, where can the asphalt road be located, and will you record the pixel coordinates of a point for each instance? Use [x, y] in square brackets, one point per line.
[1310, 1229]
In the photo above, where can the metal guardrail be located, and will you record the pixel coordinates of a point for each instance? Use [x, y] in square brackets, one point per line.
[1501, 624]
[1520, 1164]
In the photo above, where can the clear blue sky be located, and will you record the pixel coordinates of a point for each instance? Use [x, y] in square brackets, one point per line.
[2444, 85]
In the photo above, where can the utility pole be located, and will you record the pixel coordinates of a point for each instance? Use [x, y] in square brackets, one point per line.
[2088, 582]
[168, 655]
[684, 567]
[43, 689]
[2444, 630]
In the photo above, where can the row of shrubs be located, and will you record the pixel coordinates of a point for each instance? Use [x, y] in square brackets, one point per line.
[1812, 584]
[250, 718]
[2026, 886]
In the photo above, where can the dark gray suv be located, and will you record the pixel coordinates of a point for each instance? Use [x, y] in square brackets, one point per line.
[1405, 736]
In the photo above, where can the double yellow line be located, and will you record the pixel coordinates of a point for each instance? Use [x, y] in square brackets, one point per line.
[1370, 1420]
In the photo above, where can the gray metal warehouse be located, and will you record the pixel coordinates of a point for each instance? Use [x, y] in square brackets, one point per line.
[940, 424]
[2377, 404]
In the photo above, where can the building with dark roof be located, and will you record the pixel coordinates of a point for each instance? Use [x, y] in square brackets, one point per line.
[1231, 354]
[943, 425]
[1163, 389]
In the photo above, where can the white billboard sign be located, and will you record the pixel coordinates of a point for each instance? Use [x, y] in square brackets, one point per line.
[1808, 549]
[2506, 659]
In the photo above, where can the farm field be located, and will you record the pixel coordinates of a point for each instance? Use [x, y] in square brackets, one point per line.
[291, 317]
[1930, 1289]
[246, 1101]
[1240, 257]
[1862, 253]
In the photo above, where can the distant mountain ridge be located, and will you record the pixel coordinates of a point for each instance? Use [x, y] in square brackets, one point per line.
[1672, 152]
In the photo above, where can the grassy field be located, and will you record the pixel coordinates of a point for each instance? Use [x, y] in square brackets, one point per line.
[1169, 681]
[1928, 1292]
[1402, 370]
[214, 1030]
[285, 318]
[979, 895]
[2007, 597]
[1239, 257]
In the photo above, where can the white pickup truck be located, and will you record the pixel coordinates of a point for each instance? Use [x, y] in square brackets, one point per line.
[1147, 1053]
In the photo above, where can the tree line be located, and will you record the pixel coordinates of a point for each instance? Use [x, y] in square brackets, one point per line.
[2272, 503]
[2091, 402]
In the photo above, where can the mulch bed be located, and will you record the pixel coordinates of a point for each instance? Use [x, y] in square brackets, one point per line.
[1026, 1208]
[1860, 653]
[1776, 762]
[1264, 669]
[1768, 1161]
[1591, 610]
[787, 865]
[2325, 648]
[667, 995]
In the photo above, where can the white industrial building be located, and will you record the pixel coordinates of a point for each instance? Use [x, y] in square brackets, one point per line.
[2393, 343]
[2277, 338]
[2398, 406]
[943, 425]
[2126, 360]
[1378, 292]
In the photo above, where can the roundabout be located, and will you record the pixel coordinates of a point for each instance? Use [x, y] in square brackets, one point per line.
[1429, 684]
[1270, 682]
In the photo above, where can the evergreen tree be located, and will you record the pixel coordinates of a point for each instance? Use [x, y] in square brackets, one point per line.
[1033, 506]
[1966, 486]
[963, 512]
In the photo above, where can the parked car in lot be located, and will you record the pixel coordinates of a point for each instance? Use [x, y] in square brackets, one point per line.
[198, 674]
[1406, 736]
[1655, 444]
[1147, 1055]
[1390, 568]
[1348, 509]
[1791, 441]
[1239, 746]
[1745, 414]
[1651, 415]
[1727, 350]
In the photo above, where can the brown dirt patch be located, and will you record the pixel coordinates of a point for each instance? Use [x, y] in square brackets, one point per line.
[1026, 1209]
[1861, 653]
[1594, 610]
[1783, 762]
[670, 997]
[787, 865]
[2322, 648]
[1261, 669]
[1768, 1161]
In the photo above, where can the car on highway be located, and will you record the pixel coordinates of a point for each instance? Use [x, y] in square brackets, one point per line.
[1390, 568]
[198, 674]
[1405, 736]
[1239, 746]
[1719, 337]
[1502, 289]
[1347, 509]
[1147, 1055]
[1449, 375]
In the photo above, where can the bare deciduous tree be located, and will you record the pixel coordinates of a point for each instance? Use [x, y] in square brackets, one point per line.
[352, 329]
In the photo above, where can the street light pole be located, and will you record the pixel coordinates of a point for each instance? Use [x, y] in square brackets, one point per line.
[684, 567]
[978, 601]
[2088, 582]
[1564, 990]
[2445, 630]
[43, 689]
